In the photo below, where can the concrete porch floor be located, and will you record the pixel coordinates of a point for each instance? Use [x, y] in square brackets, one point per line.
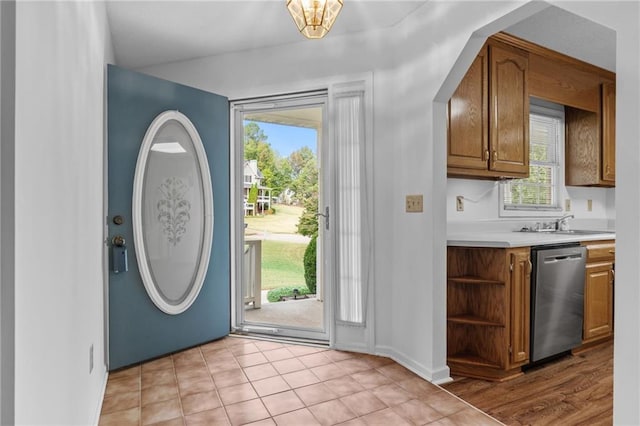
[304, 313]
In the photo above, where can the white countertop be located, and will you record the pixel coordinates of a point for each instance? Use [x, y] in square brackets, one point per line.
[506, 239]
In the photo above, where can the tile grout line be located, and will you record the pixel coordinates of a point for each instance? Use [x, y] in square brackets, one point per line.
[224, 407]
[395, 376]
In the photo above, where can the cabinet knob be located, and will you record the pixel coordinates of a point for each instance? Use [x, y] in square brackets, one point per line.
[495, 156]
[486, 155]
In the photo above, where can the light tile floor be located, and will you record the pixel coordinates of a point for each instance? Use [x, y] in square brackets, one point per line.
[236, 381]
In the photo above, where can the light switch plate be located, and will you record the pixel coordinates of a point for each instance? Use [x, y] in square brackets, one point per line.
[414, 203]
[589, 205]
[567, 205]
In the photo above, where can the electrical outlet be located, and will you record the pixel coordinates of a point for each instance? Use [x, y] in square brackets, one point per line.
[589, 205]
[414, 204]
[90, 358]
[460, 203]
[567, 205]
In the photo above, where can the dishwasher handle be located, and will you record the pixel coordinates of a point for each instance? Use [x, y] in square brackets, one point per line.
[562, 257]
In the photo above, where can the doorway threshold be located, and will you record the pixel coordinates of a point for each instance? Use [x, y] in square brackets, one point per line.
[239, 333]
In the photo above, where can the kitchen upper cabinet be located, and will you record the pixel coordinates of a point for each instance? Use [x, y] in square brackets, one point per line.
[468, 136]
[591, 142]
[488, 124]
[509, 106]
[488, 295]
[598, 292]
[563, 80]
[609, 132]
[489, 116]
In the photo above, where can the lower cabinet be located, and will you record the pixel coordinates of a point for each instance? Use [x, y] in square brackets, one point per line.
[488, 313]
[598, 292]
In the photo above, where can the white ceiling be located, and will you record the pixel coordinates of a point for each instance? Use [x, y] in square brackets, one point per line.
[147, 32]
[153, 32]
[572, 35]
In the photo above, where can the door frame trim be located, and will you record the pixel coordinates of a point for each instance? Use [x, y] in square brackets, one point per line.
[239, 106]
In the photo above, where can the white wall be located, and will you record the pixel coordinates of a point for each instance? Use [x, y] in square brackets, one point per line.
[481, 202]
[406, 77]
[61, 52]
[409, 157]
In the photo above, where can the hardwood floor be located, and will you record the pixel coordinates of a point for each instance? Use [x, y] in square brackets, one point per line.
[573, 390]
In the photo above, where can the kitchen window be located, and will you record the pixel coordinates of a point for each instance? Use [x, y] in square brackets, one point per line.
[539, 192]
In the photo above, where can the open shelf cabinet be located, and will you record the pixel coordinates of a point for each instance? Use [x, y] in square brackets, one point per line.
[487, 312]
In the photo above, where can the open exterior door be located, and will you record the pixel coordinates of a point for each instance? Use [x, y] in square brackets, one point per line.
[168, 217]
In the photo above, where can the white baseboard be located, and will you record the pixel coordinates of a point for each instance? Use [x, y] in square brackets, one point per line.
[362, 348]
[96, 416]
[438, 376]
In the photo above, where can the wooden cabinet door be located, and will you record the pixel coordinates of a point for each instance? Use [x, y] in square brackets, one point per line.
[468, 138]
[609, 132]
[520, 306]
[582, 147]
[509, 111]
[598, 301]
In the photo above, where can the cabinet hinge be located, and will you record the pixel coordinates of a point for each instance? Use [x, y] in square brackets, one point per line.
[511, 267]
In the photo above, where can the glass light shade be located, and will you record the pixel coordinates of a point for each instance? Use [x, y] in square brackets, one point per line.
[314, 18]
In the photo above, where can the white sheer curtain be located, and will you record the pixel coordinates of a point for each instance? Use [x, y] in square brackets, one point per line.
[351, 203]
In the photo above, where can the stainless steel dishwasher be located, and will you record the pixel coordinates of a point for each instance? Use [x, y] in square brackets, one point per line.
[557, 298]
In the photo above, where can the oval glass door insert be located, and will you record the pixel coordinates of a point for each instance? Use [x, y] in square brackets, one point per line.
[172, 212]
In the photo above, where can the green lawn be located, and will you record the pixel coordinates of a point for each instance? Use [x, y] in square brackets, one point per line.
[282, 264]
[283, 222]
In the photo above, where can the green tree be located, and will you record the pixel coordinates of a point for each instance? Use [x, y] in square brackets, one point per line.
[257, 148]
[281, 176]
[253, 194]
[299, 159]
[304, 174]
[308, 222]
[253, 137]
[304, 184]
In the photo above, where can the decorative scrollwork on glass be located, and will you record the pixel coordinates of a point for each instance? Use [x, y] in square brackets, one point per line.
[173, 209]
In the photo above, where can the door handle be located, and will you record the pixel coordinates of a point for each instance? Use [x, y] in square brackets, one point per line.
[119, 255]
[118, 241]
[326, 217]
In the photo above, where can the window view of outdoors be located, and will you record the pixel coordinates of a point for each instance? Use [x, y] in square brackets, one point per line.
[280, 200]
[540, 187]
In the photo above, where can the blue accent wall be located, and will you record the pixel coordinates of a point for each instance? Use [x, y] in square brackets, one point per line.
[138, 330]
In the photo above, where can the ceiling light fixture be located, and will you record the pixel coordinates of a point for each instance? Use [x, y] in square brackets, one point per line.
[314, 18]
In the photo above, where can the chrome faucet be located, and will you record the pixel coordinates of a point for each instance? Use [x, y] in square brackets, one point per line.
[562, 222]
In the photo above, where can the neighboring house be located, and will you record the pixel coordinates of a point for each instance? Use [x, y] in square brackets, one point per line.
[253, 176]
